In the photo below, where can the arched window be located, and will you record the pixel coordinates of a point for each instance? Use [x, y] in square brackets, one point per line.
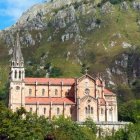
[44, 110]
[30, 92]
[15, 74]
[43, 92]
[17, 87]
[86, 110]
[19, 74]
[110, 111]
[56, 92]
[91, 110]
[58, 111]
[31, 109]
[13, 63]
[102, 111]
[21, 63]
[87, 91]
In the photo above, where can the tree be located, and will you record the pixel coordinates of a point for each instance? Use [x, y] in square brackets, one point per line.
[55, 72]
[90, 124]
[130, 111]
[66, 129]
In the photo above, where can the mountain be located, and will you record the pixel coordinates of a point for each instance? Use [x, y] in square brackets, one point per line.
[65, 37]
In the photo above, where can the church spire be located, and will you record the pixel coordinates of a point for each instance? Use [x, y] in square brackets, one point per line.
[17, 55]
[17, 62]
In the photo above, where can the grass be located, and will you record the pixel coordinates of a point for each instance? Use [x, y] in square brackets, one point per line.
[93, 55]
[96, 52]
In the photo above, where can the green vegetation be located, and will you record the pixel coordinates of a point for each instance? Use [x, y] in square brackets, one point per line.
[67, 58]
[27, 126]
[130, 111]
[97, 50]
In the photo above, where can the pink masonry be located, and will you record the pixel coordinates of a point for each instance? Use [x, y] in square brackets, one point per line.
[78, 98]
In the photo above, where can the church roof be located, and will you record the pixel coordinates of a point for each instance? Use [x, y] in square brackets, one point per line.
[108, 92]
[17, 54]
[84, 76]
[53, 81]
[47, 100]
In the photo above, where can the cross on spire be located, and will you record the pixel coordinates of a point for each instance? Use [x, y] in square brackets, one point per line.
[86, 71]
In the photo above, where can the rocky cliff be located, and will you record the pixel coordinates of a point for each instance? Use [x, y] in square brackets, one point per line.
[68, 36]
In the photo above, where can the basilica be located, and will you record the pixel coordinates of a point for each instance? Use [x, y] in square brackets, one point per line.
[77, 98]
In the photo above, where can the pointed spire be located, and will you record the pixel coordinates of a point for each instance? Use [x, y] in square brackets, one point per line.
[17, 55]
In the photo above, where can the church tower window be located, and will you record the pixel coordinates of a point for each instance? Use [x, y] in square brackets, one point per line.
[19, 74]
[13, 63]
[15, 74]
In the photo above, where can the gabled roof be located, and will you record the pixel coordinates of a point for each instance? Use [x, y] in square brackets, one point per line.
[108, 92]
[84, 76]
[88, 97]
[47, 100]
[53, 81]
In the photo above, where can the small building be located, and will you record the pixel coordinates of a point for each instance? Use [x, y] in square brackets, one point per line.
[78, 98]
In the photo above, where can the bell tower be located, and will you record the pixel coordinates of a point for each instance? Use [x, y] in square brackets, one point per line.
[17, 75]
[17, 63]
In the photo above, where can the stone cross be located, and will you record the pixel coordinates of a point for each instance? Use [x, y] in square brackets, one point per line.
[86, 71]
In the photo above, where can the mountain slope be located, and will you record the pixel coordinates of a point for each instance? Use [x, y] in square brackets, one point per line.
[63, 38]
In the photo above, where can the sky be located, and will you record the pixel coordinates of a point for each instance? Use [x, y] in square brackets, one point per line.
[11, 10]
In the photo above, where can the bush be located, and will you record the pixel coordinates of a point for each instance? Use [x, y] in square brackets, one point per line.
[115, 1]
[55, 72]
[130, 111]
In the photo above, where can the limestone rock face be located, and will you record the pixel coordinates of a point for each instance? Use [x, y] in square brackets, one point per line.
[106, 8]
[136, 5]
[94, 32]
[124, 6]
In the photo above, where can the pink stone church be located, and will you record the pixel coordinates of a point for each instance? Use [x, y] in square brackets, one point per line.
[77, 98]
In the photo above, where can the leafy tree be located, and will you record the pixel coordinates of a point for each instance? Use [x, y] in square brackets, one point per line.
[55, 72]
[90, 124]
[136, 88]
[66, 129]
[130, 111]
[124, 93]
[4, 94]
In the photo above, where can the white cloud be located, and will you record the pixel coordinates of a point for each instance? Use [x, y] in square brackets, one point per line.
[15, 8]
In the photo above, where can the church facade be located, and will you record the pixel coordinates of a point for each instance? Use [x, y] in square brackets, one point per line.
[77, 98]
